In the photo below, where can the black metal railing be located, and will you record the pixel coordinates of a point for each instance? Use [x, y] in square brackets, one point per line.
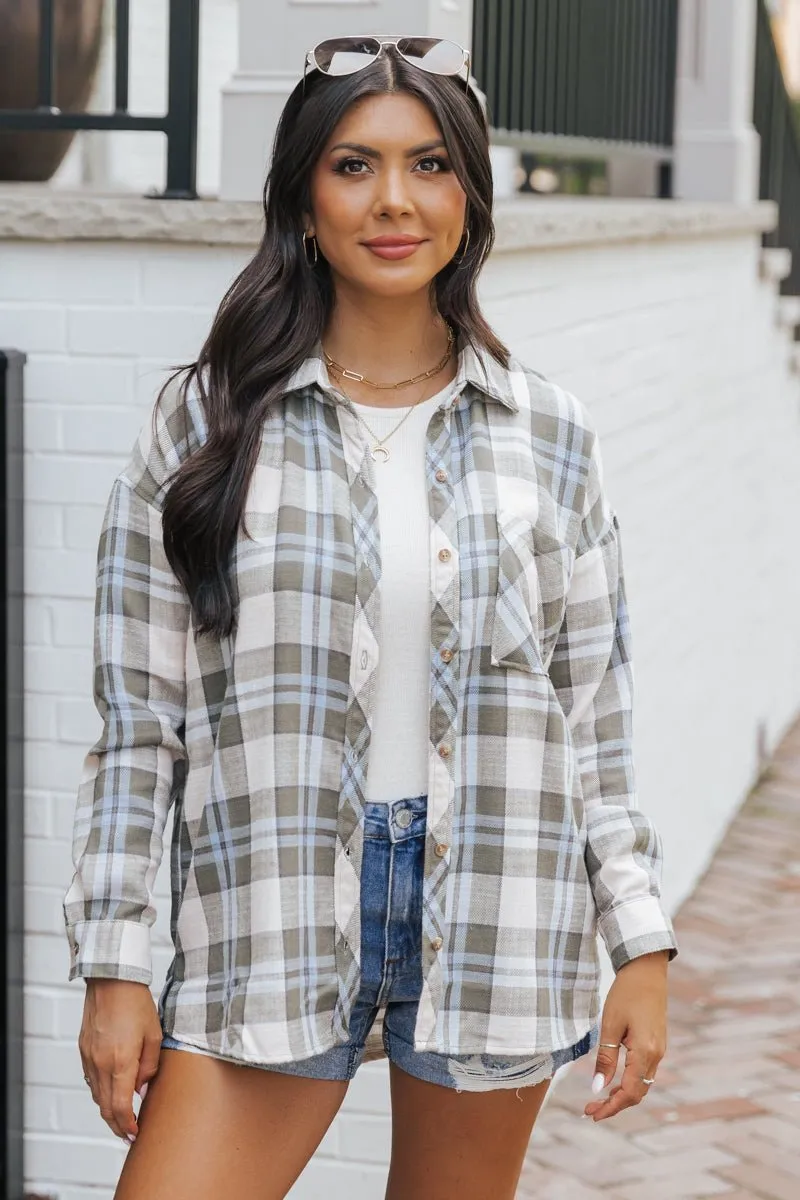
[602, 69]
[12, 786]
[179, 122]
[774, 119]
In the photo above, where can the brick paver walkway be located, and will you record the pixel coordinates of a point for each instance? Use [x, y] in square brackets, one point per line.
[724, 1117]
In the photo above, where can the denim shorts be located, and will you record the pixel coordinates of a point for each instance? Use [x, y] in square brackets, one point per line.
[391, 973]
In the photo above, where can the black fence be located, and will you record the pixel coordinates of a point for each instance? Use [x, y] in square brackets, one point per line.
[776, 121]
[579, 68]
[11, 793]
[179, 123]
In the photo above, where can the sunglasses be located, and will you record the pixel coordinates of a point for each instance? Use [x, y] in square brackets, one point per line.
[346, 55]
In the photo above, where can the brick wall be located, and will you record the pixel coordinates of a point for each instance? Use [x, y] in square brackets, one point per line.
[675, 348]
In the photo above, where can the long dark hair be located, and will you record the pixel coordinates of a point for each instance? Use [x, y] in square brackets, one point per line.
[276, 310]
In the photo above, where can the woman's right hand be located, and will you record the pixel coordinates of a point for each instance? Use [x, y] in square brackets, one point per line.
[120, 1045]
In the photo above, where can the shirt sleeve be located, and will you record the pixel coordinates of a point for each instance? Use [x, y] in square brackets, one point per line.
[592, 673]
[129, 775]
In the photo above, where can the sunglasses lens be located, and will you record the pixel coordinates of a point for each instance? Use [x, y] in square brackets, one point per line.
[432, 54]
[342, 56]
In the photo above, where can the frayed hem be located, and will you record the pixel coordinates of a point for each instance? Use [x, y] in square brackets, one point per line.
[473, 1075]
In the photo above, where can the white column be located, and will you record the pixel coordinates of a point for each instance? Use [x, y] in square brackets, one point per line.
[716, 147]
[274, 36]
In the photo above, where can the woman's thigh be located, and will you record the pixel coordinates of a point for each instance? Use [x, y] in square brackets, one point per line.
[210, 1128]
[466, 1144]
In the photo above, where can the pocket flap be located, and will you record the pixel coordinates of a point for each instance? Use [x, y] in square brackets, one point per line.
[531, 595]
[514, 642]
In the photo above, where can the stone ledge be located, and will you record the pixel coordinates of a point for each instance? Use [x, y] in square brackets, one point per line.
[42, 214]
[576, 221]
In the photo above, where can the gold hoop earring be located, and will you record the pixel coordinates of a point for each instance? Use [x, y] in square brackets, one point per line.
[463, 253]
[305, 250]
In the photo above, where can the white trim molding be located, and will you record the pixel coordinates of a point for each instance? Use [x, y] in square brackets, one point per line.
[716, 146]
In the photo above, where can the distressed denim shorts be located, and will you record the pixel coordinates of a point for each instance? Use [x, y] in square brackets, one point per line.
[391, 965]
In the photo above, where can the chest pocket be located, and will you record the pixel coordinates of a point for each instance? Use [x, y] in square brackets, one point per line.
[532, 587]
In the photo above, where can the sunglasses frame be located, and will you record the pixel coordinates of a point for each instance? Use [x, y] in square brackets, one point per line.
[383, 41]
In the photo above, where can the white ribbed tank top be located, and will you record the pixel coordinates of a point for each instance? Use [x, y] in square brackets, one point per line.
[398, 754]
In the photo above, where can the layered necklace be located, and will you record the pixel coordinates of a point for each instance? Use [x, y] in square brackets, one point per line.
[379, 451]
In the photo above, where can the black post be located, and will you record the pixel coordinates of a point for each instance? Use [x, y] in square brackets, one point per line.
[122, 30]
[184, 55]
[11, 793]
[47, 55]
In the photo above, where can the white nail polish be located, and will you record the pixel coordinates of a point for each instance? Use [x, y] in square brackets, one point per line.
[131, 1137]
[598, 1083]
[143, 1090]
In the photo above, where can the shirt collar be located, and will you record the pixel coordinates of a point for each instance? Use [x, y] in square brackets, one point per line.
[475, 367]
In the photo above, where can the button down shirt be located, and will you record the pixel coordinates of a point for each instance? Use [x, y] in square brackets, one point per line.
[535, 842]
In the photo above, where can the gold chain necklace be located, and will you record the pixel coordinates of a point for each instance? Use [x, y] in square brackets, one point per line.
[346, 374]
[379, 451]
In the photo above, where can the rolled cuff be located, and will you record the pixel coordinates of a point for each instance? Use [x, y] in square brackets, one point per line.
[635, 928]
[110, 950]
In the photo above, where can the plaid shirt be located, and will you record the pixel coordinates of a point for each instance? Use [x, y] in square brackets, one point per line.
[261, 740]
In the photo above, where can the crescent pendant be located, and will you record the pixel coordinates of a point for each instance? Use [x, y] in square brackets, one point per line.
[380, 452]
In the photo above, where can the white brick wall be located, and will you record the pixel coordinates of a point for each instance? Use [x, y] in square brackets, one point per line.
[673, 346]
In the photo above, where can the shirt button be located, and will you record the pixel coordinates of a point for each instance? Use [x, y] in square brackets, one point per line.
[441, 476]
[444, 751]
[444, 556]
[440, 849]
[446, 655]
[436, 943]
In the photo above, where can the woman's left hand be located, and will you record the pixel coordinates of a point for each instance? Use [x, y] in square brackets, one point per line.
[635, 1015]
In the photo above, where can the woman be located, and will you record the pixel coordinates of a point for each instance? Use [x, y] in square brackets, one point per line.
[361, 618]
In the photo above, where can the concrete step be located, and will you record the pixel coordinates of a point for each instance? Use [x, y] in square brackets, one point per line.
[789, 311]
[775, 263]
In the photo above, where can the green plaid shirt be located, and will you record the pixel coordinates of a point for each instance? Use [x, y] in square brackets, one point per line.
[261, 740]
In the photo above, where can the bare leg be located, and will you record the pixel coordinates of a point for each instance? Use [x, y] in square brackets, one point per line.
[209, 1129]
[466, 1144]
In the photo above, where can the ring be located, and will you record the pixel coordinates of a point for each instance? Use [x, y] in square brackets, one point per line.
[609, 1045]
[647, 1081]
